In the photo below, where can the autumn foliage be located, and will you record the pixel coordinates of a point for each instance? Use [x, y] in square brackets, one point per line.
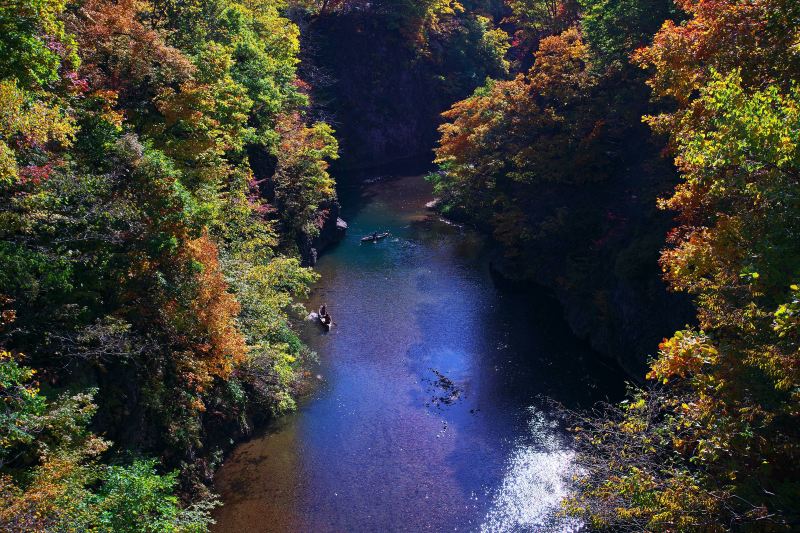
[712, 443]
[724, 415]
[134, 241]
[160, 176]
[218, 347]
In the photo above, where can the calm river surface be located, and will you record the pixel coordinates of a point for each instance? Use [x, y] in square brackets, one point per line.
[428, 416]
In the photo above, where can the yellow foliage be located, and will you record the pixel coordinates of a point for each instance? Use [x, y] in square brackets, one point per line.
[36, 122]
[686, 353]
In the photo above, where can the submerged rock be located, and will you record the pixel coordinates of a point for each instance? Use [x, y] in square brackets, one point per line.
[444, 391]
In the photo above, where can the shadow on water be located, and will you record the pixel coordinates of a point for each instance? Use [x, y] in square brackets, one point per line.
[358, 189]
[430, 414]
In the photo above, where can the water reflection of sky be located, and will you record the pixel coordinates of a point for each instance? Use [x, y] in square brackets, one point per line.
[375, 450]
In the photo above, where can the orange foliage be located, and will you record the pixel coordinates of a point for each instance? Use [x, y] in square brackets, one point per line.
[534, 128]
[684, 354]
[724, 35]
[560, 70]
[120, 52]
[56, 486]
[216, 337]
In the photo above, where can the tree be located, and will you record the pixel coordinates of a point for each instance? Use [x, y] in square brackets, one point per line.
[34, 43]
[302, 182]
[754, 37]
[534, 20]
[616, 28]
[511, 136]
[137, 251]
[724, 420]
[59, 494]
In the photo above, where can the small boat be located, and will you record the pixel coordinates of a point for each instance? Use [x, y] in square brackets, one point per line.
[375, 237]
[325, 319]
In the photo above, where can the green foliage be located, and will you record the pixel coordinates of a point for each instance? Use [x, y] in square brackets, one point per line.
[135, 499]
[66, 489]
[541, 18]
[35, 274]
[34, 42]
[474, 50]
[615, 28]
[302, 182]
[265, 49]
[138, 256]
[22, 406]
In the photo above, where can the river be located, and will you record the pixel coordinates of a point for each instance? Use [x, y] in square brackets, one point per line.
[429, 413]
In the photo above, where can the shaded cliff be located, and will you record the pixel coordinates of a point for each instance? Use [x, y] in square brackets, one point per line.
[596, 244]
[383, 89]
[597, 249]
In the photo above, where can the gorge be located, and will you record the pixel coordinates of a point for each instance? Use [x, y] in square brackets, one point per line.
[579, 309]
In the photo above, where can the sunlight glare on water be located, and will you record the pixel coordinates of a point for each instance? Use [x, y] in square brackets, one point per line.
[536, 481]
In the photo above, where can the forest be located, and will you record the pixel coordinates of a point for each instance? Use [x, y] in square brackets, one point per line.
[167, 184]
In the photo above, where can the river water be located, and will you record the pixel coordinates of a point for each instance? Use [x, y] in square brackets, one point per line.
[429, 413]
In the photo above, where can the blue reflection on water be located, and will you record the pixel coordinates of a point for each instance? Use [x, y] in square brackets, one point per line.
[386, 444]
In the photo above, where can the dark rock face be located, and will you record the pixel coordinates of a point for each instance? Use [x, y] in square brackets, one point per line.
[382, 94]
[622, 319]
[331, 233]
[382, 103]
[597, 253]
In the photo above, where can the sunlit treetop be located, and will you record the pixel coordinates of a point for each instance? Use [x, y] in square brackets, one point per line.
[35, 45]
[760, 38]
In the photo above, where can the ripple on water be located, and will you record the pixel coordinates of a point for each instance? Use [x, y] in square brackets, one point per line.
[366, 454]
[536, 481]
